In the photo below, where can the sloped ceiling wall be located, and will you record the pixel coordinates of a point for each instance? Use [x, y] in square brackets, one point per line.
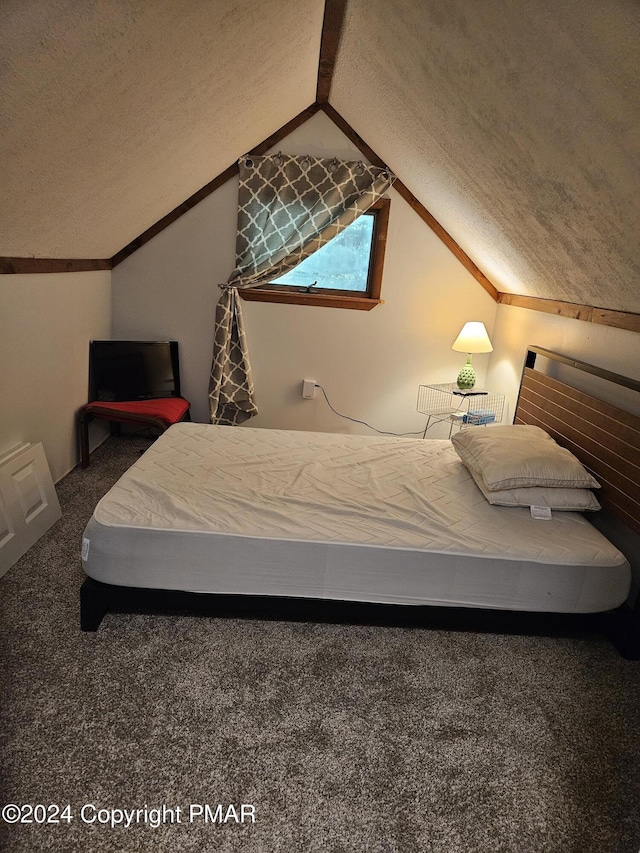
[516, 124]
[114, 112]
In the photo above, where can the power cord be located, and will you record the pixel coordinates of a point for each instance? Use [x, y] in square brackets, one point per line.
[364, 423]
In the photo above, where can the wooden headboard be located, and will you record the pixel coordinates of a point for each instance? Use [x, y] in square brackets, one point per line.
[604, 438]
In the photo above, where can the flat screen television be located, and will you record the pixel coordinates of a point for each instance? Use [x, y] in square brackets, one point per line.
[133, 370]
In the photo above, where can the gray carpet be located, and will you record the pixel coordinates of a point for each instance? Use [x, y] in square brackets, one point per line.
[343, 738]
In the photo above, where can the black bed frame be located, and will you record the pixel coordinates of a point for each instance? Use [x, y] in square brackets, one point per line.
[622, 626]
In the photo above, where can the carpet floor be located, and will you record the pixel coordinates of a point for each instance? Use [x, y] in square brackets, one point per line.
[333, 737]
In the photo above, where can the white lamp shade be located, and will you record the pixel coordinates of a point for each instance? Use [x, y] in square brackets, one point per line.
[473, 338]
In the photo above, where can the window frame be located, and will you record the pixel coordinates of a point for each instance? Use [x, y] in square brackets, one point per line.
[337, 298]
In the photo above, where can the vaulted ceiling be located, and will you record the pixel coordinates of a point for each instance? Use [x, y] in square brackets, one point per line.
[115, 111]
[517, 125]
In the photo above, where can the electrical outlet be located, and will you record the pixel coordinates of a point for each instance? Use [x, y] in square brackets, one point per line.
[308, 389]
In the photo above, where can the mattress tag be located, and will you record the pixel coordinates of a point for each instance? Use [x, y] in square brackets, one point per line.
[543, 512]
[85, 549]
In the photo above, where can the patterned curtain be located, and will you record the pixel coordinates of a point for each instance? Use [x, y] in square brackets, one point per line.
[288, 207]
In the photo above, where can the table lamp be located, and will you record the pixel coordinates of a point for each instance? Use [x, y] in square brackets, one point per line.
[472, 338]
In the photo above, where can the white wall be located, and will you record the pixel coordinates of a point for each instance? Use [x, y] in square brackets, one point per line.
[370, 363]
[46, 323]
[616, 350]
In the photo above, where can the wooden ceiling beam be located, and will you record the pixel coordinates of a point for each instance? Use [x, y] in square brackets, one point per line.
[26, 266]
[575, 311]
[334, 12]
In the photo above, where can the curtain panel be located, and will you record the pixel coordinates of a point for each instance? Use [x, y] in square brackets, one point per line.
[288, 207]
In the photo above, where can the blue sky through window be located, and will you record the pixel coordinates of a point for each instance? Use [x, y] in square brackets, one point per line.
[341, 264]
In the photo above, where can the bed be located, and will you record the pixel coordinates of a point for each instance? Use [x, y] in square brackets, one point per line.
[312, 525]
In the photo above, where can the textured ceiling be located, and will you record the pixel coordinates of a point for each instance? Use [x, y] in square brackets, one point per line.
[516, 124]
[113, 112]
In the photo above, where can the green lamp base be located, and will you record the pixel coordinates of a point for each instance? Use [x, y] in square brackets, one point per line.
[467, 376]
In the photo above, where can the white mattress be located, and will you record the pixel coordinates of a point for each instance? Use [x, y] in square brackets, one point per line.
[273, 512]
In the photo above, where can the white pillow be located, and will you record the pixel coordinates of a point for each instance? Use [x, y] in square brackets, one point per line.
[570, 500]
[514, 457]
